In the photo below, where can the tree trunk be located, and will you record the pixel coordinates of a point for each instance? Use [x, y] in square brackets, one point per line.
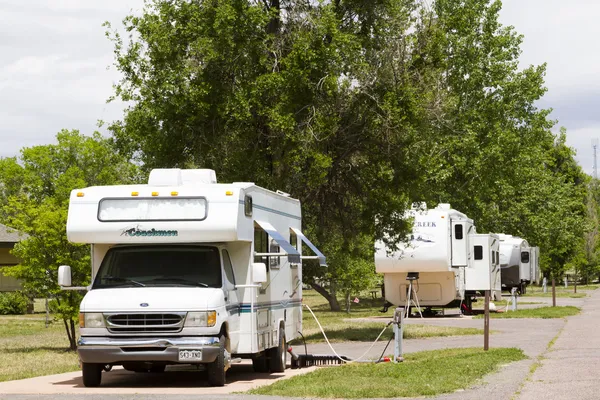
[334, 305]
[348, 302]
[73, 336]
[553, 292]
[69, 335]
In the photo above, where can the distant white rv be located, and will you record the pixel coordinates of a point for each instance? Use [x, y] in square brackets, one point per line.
[453, 262]
[188, 271]
[519, 263]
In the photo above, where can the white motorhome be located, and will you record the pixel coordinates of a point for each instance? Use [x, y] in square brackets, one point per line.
[453, 262]
[187, 271]
[519, 263]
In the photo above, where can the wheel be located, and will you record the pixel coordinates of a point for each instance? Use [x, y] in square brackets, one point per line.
[218, 368]
[260, 364]
[278, 355]
[92, 374]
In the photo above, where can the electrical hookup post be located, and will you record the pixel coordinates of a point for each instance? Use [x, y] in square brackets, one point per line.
[398, 333]
[486, 321]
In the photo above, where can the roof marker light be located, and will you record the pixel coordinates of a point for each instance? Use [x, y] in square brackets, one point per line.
[229, 193]
[80, 194]
[135, 193]
[174, 193]
[154, 193]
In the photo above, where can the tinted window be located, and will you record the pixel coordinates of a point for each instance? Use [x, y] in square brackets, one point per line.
[228, 267]
[458, 231]
[161, 266]
[479, 252]
[248, 206]
[493, 257]
[524, 256]
[273, 260]
[261, 243]
[498, 257]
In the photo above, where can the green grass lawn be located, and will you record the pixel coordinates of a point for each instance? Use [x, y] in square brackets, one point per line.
[425, 373]
[342, 327]
[541, 312]
[28, 349]
[561, 291]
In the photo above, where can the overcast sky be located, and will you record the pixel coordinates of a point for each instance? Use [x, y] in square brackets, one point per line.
[54, 59]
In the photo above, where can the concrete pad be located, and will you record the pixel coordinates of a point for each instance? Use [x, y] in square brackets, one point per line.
[175, 380]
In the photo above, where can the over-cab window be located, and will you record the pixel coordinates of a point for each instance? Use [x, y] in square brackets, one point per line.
[524, 256]
[458, 231]
[493, 257]
[478, 252]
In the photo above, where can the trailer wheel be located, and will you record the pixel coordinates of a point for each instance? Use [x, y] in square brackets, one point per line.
[218, 368]
[278, 355]
[92, 374]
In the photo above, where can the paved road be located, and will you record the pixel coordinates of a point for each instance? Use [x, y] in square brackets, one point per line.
[572, 359]
[570, 368]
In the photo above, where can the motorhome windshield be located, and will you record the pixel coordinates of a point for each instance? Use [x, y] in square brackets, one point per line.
[160, 266]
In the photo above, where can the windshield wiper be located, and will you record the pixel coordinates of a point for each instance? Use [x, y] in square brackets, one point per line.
[180, 281]
[119, 279]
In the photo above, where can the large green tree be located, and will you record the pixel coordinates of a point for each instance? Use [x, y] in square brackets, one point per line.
[356, 107]
[321, 100]
[34, 190]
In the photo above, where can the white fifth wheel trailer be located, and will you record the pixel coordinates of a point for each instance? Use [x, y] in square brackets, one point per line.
[187, 271]
[452, 261]
[519, 263]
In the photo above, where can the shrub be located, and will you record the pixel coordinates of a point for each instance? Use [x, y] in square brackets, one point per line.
[13, 303]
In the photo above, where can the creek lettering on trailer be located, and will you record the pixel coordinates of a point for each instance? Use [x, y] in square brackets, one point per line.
[425, 224]
[150, 232]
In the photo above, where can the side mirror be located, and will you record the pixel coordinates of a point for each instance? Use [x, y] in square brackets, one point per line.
[259, 272]
[64, 276]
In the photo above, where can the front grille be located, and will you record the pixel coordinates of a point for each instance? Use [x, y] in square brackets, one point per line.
[145, 323]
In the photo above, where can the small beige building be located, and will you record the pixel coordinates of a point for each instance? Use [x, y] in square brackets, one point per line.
[8, 238]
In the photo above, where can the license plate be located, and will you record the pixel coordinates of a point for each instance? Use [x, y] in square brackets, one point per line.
[190, 355]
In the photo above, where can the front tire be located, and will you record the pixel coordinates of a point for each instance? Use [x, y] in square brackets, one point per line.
[92, 374]
[218, 368]
[278, 355]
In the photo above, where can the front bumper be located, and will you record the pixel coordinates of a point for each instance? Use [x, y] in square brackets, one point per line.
[109, 350]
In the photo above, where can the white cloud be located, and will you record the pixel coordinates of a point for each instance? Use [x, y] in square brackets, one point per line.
[53, 68]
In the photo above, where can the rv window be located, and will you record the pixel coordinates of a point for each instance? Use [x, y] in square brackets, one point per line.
[525, 257]
[294, 240]
[261, 243]
[498, 257]
[248, 206]
[160, 266]
[493, 257]
[228, 267]
[152, 209]
[478, 252]
[274, 262]
[458, 231]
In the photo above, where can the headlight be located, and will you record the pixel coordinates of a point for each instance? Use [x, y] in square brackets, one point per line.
[91, 320]
[203, 318]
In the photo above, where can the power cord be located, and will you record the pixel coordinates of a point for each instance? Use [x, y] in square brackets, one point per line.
[331, 347]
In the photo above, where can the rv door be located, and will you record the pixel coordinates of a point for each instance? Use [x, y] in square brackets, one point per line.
[525, 267]
[458, 237]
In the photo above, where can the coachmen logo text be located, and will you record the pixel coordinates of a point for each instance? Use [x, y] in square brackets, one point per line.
[151, 232]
